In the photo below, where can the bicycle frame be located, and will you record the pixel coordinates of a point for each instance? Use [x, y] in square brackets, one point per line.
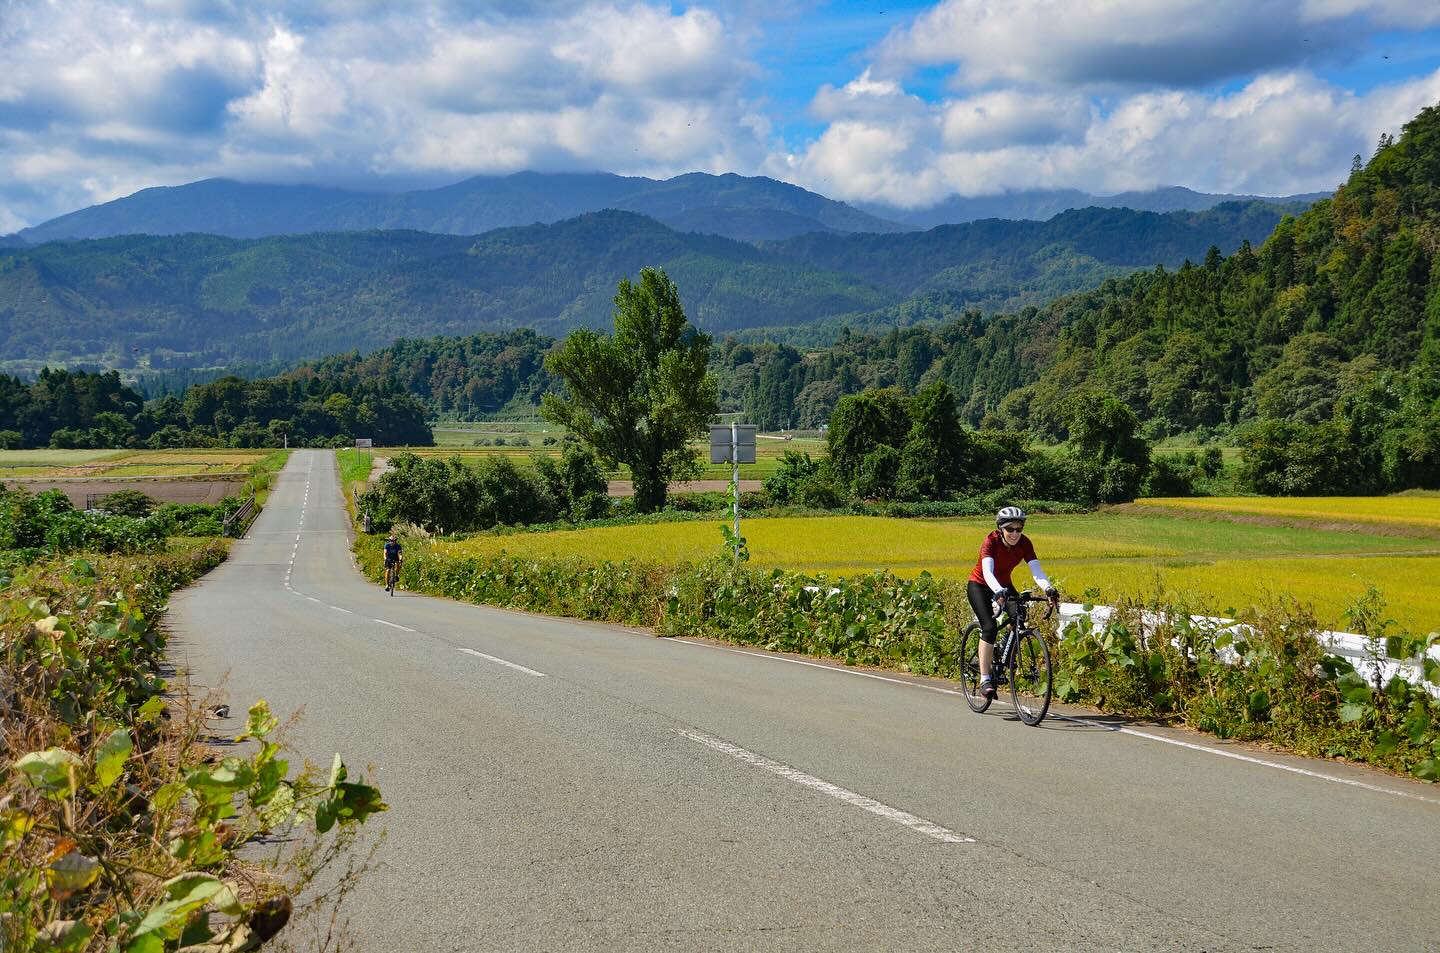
[1013, 620]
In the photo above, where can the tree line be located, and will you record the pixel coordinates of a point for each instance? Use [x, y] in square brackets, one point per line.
[306, 407]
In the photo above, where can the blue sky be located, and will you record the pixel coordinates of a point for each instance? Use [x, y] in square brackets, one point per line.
[903, 103]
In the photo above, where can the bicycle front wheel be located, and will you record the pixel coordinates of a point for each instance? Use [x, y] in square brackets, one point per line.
[1031, 681]
[970, 669]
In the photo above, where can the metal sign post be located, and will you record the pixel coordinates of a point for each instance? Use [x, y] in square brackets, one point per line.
[734, 444]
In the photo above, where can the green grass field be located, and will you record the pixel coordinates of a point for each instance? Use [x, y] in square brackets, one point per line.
[1222, 563]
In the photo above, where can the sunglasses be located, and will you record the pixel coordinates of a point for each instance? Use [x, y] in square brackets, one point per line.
[1013, 527]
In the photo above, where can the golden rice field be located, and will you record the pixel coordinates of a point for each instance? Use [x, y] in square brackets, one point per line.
[125, 463]
[1418, 510]
[1222, 563]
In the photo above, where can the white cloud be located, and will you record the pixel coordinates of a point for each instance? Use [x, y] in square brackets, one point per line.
[1137, 42]
[166, 91]
[1282, 133]
[1008, 117]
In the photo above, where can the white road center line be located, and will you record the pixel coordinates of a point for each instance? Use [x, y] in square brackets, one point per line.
[1117, 729]
[338, 609]
[928, 828]
[501, 661]
[393, 625]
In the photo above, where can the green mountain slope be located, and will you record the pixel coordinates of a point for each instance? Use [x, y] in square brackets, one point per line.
[1320, 349]
[197, 300]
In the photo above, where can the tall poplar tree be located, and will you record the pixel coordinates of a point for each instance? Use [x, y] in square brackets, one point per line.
[637, 396]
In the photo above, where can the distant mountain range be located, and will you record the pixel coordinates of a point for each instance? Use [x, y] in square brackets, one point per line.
[743, 208]
[199, 300]
[1044, 204]
[746, 209]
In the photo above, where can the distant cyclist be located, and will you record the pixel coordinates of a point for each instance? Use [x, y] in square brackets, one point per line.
[394, 556]
[990, 586]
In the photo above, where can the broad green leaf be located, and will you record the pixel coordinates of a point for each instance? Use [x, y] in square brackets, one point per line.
[110, 759]
[63, 936]
[1386, 742]
[53, 772]
[168, 795]
[1427, 770]
[71, 873]
[217, 784]
[267, 781]
[279, 807]
[147, 943]
[325, 813]
[1354, 688]
[187, 887]
[104, 631]
[357, 801]
[200, 850]
[186, 894]
[1417, 725]
[150, 711]
[1351, 712]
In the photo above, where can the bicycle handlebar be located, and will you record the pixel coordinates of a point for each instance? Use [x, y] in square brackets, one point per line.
[1029, 595]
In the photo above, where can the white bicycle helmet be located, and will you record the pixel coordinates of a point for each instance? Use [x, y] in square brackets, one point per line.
[1009, 514]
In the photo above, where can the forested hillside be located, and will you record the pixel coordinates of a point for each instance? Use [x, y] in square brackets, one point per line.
[1323, 345]
[196, 300]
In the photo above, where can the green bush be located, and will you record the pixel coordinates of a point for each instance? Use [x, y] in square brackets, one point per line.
[47, 522]
[127, 503]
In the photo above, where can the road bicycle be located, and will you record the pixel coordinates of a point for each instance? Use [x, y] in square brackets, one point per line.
[392, 576]
[1022, 661]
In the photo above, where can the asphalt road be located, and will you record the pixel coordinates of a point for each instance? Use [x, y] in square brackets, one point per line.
[557, 785]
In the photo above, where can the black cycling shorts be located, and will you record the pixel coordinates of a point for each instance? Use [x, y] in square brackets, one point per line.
[980, 600]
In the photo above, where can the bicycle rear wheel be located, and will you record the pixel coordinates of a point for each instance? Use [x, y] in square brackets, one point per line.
[970, 668]
[1031, 681]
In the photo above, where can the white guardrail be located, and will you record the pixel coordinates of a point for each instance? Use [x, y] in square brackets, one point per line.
[1355, 649]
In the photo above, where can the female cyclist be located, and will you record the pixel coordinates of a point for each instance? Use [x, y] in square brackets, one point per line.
[989, 585]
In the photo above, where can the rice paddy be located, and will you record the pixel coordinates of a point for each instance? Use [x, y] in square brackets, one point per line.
[108, 464]
[1219, 563]
[1409, 509]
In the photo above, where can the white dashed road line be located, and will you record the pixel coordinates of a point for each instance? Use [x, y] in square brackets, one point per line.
[920, 824]
[1117, 729]
[393, 625]
[501, 661]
